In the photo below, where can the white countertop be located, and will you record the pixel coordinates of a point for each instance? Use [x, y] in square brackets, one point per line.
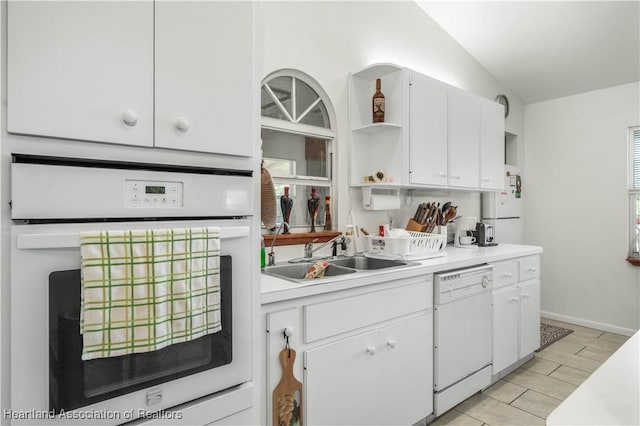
[610, 396]
[276, 289]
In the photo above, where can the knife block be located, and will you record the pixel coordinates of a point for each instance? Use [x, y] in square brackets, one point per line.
[412, 225]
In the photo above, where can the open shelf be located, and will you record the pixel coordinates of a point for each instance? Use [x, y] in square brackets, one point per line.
[375, 128]
[299, 238]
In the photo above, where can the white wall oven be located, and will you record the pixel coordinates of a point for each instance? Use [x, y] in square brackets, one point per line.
[54, 202]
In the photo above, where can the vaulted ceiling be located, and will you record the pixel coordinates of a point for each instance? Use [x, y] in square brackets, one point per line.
[544, 50]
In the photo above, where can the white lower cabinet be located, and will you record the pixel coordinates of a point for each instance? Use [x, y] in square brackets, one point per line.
[364, 356]
[529, 316]
[516, 311]
[378, 377]
[505, 327]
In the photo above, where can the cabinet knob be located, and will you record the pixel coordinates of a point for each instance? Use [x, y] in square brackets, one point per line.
[515, 299]
[485, 179]
[391, 343]
[526, 295]
[182, 125]
[129, 118]
[371, 350]
[532, 269]
[443, 175]
[455, 177]
[507, 274]
[288, 331]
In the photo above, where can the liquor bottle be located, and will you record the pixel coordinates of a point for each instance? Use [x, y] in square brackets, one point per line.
[378, 104]
[327, 213]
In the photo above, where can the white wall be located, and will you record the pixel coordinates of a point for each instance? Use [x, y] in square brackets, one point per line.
[330, 39]
[577, 205]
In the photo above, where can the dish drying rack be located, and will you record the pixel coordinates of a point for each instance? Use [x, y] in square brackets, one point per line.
[415, 246]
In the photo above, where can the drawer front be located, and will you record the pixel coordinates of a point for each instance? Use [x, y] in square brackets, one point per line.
[505, 273]
[351, 313]
[529, 268]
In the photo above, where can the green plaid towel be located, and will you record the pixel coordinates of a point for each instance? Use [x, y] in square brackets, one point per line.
[143, 290]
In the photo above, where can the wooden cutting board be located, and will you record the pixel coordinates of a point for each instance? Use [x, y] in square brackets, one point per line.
[268, 200]
[287, 396]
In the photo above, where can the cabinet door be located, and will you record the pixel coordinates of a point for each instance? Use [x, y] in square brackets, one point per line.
[342, 384]
[505, 327]
[205, 80]
[464, 139]
[492, 146]
[276, 323]
[529, 317]
[81, 70]
[406, 366]
[428, 131]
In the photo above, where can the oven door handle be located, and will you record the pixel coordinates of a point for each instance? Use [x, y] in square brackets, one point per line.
[72, 239]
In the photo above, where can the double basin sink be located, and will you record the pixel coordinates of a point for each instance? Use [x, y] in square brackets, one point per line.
[341, 266]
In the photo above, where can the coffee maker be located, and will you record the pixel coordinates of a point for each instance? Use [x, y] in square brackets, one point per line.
[484, 235]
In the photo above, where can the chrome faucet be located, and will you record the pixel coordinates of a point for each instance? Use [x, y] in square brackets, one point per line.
[309, 250]
[272, 254]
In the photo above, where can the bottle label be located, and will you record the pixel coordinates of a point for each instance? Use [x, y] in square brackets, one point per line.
[378, 105]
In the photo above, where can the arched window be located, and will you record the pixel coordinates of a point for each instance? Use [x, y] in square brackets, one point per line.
[297, 137]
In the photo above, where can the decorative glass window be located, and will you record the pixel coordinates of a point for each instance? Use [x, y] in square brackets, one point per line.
[634, 191]
[297, 138]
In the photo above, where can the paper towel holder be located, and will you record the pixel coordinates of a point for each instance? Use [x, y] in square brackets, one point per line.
[371, 194]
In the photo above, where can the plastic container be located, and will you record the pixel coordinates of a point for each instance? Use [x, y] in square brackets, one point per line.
[415, 246]
[350, 240]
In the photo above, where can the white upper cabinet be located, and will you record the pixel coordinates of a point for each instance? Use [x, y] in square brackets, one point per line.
[464, 139]
[168, 74]
[428, 108]
[204, 76]
[492, 146]
[434, 135]
[81, 70]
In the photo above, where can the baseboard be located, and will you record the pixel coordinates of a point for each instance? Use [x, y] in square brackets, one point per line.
[590, 324]
[513, 367]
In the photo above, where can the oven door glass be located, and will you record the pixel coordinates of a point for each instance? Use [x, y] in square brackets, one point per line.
[74, 383]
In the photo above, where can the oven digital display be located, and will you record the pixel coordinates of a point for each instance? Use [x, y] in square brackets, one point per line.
[154, 189]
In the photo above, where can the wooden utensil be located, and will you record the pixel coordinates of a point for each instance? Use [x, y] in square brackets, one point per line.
[287, 396]
[451, 213]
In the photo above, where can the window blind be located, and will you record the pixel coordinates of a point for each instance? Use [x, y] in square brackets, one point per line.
[634, 136]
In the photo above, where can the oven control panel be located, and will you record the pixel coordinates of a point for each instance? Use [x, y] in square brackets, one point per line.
[153, 194]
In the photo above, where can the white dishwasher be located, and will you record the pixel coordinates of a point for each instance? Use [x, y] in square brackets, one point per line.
[462, 334]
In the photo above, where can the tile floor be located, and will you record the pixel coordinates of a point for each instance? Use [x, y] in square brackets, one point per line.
[530, 393]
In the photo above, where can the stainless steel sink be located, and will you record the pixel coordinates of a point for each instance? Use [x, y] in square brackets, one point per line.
[296, 272]
[367, 263]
